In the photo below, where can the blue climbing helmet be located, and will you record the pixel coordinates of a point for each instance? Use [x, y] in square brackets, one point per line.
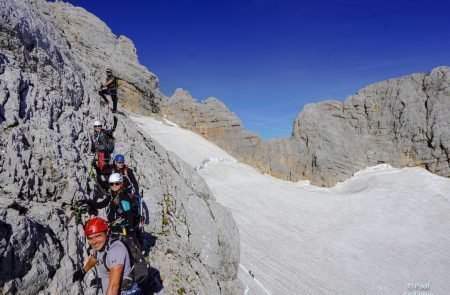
[119, 158]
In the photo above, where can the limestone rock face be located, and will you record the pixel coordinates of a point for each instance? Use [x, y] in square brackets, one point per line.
[49, 77]
[213, 120]
[90, 40]
[281, 158]
[402, 122]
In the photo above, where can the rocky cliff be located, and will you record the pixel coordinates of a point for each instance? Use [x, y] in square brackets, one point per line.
[402, 122]
[212, 119]
[52, 59]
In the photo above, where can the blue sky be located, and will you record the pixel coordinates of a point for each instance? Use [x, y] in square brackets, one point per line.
[266, 59]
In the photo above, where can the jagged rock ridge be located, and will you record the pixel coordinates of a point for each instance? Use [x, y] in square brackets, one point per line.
[402, 122]
[50, 70]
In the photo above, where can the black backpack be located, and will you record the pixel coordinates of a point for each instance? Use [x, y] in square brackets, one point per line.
[104, 142]
[140, 267]
[110, 143]
[135, 206]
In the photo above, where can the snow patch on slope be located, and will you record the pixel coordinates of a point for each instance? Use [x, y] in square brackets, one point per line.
[375, 233]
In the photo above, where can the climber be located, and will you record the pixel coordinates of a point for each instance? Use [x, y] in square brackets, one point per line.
[142, 279]
[102, 145]
[123, 213]
[123, 207]
[109, 88]
[114, 265]
[129, 180]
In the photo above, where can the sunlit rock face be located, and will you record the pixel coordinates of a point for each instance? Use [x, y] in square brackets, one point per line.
[52, 60]
[402, 122]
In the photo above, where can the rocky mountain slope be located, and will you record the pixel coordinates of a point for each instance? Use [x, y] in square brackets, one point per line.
[402, 122]
[52, 60]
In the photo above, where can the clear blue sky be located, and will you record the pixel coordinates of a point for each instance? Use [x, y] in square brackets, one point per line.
[266, 59]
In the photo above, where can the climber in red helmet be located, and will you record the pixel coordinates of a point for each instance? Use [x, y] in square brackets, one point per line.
[112, 260]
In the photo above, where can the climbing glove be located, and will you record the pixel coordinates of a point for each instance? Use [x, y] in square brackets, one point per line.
[78, 275]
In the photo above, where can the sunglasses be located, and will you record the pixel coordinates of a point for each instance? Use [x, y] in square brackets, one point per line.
[114, 183]
[96, 126]
[119, 162]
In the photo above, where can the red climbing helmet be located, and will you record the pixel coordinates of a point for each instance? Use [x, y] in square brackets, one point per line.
[95, 225]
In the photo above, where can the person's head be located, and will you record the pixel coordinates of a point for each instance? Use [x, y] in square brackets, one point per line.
[97, 125]
[116, 182]
[108, 72]
[96, 231]
[119, 161]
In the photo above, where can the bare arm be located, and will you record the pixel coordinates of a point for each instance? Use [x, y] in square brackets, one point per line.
[108, 82]
[115, 275]
[90, 264]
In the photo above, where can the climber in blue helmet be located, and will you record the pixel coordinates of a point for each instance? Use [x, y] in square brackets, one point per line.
[129, 179]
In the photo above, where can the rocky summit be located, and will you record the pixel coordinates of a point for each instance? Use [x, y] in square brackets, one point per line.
[53, 58]
[402, 122]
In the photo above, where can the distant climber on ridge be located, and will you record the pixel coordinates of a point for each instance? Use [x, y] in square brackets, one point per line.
[109, 88]
[129, 180]
[102, 145]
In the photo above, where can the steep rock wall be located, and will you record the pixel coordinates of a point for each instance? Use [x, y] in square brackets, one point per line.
[402, 122]
[48, 101]
[91, 41]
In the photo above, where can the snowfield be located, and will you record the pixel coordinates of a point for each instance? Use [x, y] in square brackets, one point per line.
[384, 231]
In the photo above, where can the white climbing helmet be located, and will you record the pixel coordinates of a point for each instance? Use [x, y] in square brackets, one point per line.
[115, 177]
[97, 123]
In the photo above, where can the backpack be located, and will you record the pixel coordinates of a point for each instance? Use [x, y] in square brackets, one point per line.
[110, 143]
[137, 208]
[103, 162]
[135, 204]
[140, 267]
[104, 142]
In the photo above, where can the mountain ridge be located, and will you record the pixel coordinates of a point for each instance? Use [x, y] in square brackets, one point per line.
[399, 121]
